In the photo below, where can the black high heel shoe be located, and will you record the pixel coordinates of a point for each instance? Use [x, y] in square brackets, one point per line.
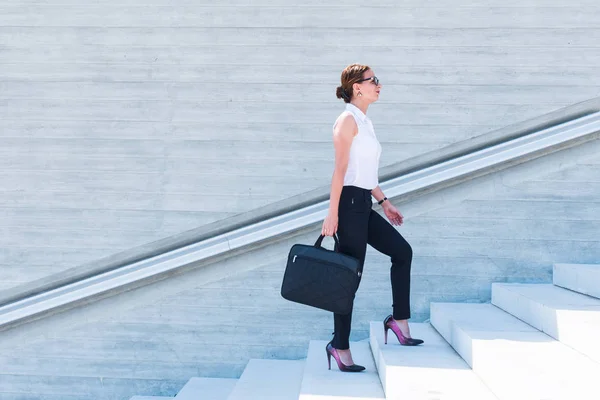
[390, 323]
[343, 367]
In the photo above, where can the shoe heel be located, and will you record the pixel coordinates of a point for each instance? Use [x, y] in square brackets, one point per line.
[385, 332]
[328, 358]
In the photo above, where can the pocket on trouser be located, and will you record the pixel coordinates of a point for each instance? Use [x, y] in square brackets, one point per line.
[357, 204]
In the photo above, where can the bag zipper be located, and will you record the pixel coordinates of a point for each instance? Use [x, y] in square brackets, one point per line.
[359, 273]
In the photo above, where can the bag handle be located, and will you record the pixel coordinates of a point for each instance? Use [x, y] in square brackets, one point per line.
[319, 241]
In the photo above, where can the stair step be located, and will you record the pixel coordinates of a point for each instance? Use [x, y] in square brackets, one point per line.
[151, 398]
[319, 383]
[269, 380]
[516, 361]
[207, 389]
[430, 371]
[572, 318]
[582, 278]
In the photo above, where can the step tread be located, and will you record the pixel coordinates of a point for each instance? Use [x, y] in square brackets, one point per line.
[209, 388]
[582, 278]
[319, 383]
[269, 380]
[551, 295]
[432, 370]
[151, 398]
[513, 359]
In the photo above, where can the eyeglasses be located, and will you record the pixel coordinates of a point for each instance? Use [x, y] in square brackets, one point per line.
[373, 79]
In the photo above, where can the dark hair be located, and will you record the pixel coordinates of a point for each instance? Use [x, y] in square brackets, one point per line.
[350, 75]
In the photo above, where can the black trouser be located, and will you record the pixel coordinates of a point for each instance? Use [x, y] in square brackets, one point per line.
[358, 225]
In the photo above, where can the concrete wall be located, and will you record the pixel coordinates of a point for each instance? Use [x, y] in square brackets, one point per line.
[126, 122]
[509, 226]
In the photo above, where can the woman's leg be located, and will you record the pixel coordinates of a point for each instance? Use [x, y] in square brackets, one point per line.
[384, 238]
[354, 213]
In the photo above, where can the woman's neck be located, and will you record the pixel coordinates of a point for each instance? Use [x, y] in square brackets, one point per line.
[362, 106]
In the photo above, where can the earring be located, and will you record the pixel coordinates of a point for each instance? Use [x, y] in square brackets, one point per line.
[359, 93]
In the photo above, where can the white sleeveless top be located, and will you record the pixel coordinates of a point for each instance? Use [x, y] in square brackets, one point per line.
[363, 164]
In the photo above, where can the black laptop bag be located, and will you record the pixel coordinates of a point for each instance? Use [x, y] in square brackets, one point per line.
[321, 278]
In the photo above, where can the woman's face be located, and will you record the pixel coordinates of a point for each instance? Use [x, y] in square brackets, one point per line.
[369, 87]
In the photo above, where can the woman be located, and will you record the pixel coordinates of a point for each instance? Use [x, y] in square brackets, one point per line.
[355, 180]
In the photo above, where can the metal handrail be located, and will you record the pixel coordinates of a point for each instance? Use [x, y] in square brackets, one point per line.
[415, 183]
[305, 199]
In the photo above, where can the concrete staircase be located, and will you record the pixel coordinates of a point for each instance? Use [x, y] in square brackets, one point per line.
[534, 341]
[507, 343]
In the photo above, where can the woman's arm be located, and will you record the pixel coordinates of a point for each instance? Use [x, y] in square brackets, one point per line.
[395, 216]
[378, 194]
[343, 133]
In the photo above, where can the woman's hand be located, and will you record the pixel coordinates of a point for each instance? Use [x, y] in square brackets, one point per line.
[330, 225]
[395, 217]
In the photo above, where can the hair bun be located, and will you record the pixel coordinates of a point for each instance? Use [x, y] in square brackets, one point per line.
[342, 94]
